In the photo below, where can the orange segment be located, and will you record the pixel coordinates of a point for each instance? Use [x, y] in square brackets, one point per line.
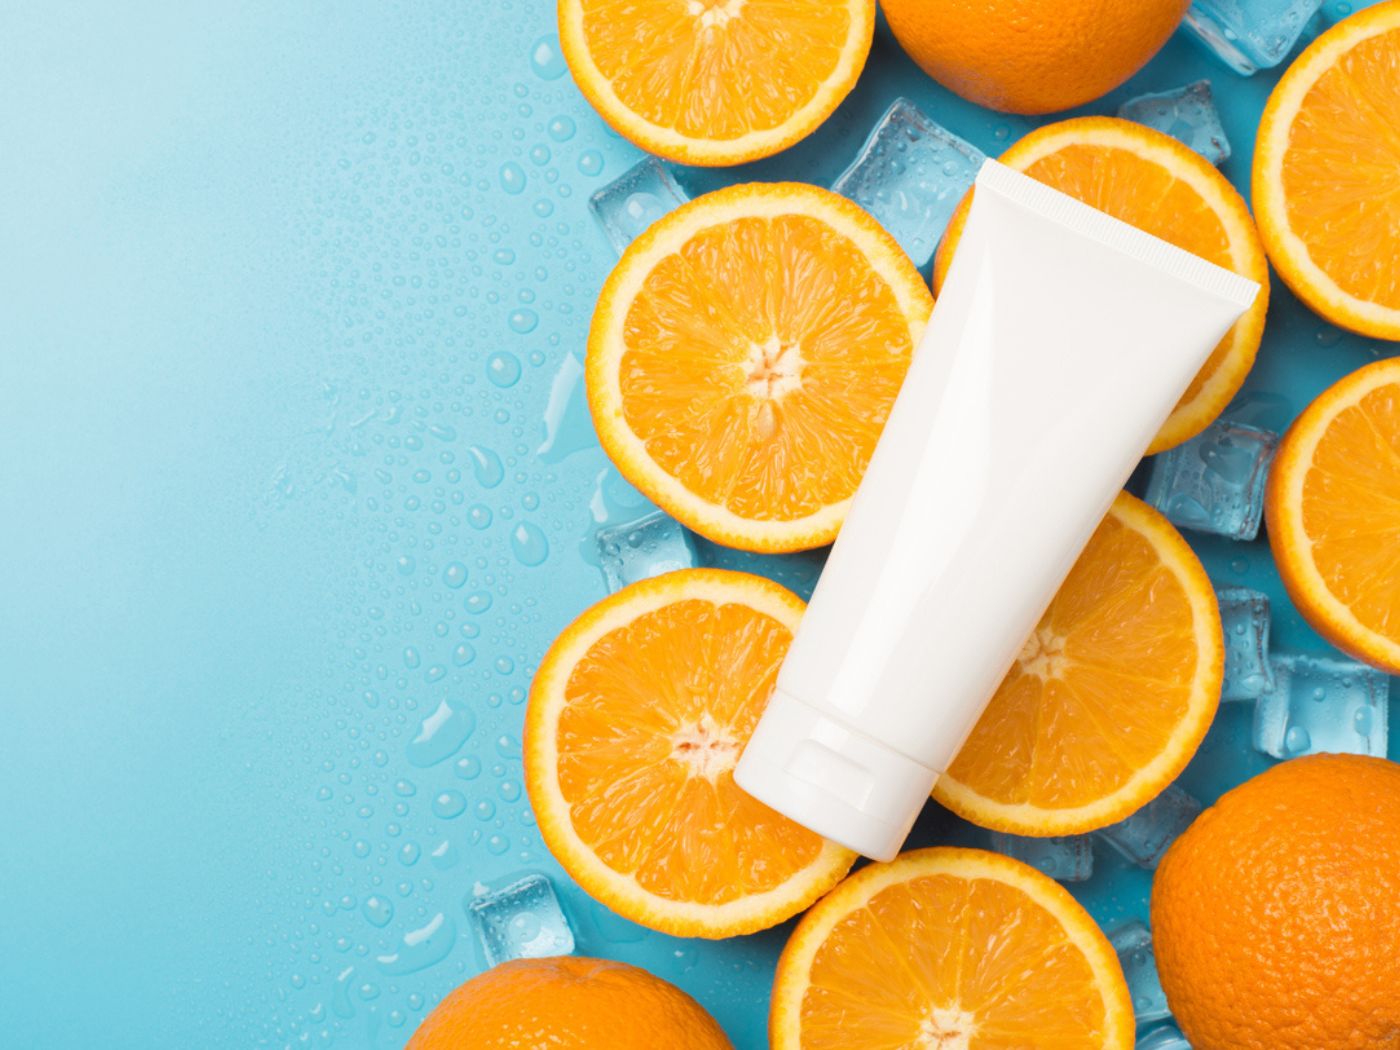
[1333, 511]
[635, 722]
[715, 81]
[1111, 695]
[950, 948]
[1327, 173]
[744, 355]
[1155, 183]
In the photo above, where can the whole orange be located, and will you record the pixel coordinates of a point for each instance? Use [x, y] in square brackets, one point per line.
[568, 1003]
[1032, 56]
[1276, 916]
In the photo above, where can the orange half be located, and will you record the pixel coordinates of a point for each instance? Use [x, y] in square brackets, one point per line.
[1153, 182]
[1111, 695]
[636, 719]
[949, 949]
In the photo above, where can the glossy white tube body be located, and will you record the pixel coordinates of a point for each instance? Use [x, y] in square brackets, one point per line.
[1059, 344]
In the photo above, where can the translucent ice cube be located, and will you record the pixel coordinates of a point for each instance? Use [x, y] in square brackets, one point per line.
[1144, 837]
[1322, 703]
[1186, 113]
[1250, 35]
[649, 546]
[910, 174]
[634, 200]
[521, 921]
[1133, 943]
[1068, 859]
[1165, 1037]
[1215, 481]
[1244, 615]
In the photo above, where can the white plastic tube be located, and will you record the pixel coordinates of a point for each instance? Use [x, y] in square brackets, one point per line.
[1059, 345]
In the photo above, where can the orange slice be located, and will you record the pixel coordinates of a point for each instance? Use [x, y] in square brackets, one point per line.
[1153, 182]
[744, 355]
[1333, 511]
[1111, 695]
[949, 949]
[715, 81]
[1327, 173]
[635, 722]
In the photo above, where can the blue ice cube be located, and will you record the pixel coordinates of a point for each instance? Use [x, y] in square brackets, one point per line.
[1165, 1037]
[1186, 113]
[649, 546]
[634, 200]
[910, 174]
[1068, 859]
[1144, 837]
[1215, 481]
[1244, 615]
[521, 921]
[1133, 943]
[1322, 703]
[1250, 35]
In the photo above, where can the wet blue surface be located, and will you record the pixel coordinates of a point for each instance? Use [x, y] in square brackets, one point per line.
[298, 488]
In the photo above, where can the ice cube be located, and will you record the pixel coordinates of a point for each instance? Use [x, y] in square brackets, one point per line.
[1068, 859]
[649, 546]
[1144, 837]
[634, 200]
[1133, 943]
[1244, 615]
[1186, 113]
[521, 921]
[1215, 481]
[1322, 703]
[910, 174]
[1250, 35]
[1165, 1037]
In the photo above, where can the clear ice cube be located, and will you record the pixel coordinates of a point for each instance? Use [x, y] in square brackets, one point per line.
[1244, 615]
[521, 921]
[1186, 113]
[1215, 481]
[910, 174]
[1133, 943]
[1068, 859]
[1165, 1037]
[1322, 703]
[649, 546]
[1144, 837]
[634, 200]
[1250, 35]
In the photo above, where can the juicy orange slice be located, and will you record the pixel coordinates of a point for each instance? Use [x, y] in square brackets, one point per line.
[1327, 173]
[949, 949]
[744, 355]
[1111, 695]
[1333, 511]
[635, 722]
[715, 81]
[1155, 183]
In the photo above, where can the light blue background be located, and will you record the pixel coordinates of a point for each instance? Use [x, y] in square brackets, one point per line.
[255, 260]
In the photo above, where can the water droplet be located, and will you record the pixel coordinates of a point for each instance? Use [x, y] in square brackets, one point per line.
[1364, 721]
[486, 467]
[478, 602]
[405, 565]
[408, 854]
[449, 804]
[522, 322]
[340, 995]
[561, 128]
[507, 746]
[590, 162]
[529, 544]
[503, 257]
[463, 655]
[441, 734]
[435, 673]
[503, 369]
[411, 659]
[497, 844]
[378, 910]
[405, 788]
[455, 574]
[1296, 740]
[539, 153]
[512, 177]
[467, 768]
[421, 948]
[546, 60]
[479, 516]
[485, 809]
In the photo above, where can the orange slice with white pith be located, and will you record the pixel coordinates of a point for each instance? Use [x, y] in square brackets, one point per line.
[744, 355]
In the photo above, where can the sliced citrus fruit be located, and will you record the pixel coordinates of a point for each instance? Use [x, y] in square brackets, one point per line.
[949, 949]
[1153, 182]
[715, 81]
[744, 355]
[1333, 510]
[1327, 173]
[636, 719]
[1111, 695]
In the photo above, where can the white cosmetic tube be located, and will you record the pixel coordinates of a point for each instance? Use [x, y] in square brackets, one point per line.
[1059, 345]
